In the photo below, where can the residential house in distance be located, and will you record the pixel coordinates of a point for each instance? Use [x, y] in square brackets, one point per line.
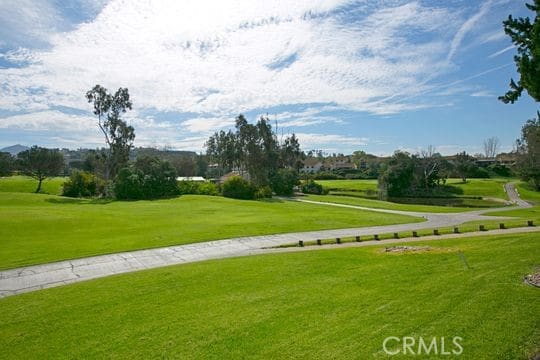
[340, 163]
[311, 165]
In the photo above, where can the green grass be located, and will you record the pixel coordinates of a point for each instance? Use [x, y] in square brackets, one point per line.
[351, 185]
[338, 304]
[37, 228]
[26, 184]
[473, 187]
[481, 187]
[377, 204]
[527, 192]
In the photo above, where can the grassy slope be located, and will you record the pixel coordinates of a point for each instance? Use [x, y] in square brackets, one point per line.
[481, 187]
[26, 184]
[473, 187]
[321, 304]
[37, 228]
[377, 204]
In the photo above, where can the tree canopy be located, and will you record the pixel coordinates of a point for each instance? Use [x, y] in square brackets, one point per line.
[41, 163]
[119, 136]
[526, 36]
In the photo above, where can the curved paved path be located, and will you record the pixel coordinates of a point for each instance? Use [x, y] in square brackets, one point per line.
[43, 276]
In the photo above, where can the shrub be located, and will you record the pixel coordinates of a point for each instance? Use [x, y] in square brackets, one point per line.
[188, 187]
[207, 188]
[283, 181]
[311, 187]
[148, 178]
[238, 188]
[83, 184]
[197, 188]
[128, 185]
[263, 192]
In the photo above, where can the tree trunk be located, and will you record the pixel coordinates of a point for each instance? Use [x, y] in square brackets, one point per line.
[39, 185]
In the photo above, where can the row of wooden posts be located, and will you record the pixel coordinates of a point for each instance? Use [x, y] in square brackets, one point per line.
[414, 233]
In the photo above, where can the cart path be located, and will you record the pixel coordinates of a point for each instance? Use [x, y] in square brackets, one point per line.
[36, 277]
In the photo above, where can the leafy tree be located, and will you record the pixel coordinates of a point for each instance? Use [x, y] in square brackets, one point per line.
[148, 178]
[254, 148]
[41, 163]
[283, 181]
[526, 36]
[6, 163]
[398, 177]
[464, 165]
[119, 136]
[528, 149]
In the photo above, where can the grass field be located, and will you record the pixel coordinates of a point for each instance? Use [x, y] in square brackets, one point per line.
[527, 192]
[364, 193]
[377, 204]
[36, 228]
[473, 187]
[338, 304]
[26, 184]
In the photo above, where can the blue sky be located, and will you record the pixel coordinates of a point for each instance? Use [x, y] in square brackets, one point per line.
[343, 75]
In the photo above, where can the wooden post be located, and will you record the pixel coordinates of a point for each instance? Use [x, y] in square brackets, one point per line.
[376, 237]
[300, 243]
[357, 238]
[319, 242]
[481, 228]
[435, 232]
[530, 223]
[396, 236]
[414, 234]
[501, 226]
[456, 230]
[338, 241]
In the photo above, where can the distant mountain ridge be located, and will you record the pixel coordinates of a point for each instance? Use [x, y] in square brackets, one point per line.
[14, 149]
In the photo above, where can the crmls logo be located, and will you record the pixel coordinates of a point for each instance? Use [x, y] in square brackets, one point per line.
[409, 345]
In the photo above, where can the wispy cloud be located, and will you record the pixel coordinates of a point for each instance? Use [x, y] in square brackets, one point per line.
[466, 27]
[502, 51]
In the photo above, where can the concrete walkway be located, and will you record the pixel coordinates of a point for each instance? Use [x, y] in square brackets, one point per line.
[20, 280]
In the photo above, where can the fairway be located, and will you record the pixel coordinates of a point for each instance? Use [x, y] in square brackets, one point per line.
[26, 184]
[37, 228]
[315, 305]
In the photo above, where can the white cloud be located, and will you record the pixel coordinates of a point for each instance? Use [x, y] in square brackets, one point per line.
[466, 27]
[181, 56]
[502, 51]
[483, 93]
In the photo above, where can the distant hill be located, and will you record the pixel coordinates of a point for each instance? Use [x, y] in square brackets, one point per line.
[14, 149]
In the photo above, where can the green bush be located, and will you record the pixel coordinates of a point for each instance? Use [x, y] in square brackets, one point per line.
[188, 187]
[197, 188]
[263, 192]
[208, 188]
[148, 178]
[83, 184]
[283, 181]
[238, 188]
[128, 185]
[311, 187]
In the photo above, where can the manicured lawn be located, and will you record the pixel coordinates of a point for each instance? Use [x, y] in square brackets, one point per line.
[353, 185]
[527, 192]
[377, 204]
[26, 184]
[36, 228]
[481, 187]
[338, 304]
[473, 187]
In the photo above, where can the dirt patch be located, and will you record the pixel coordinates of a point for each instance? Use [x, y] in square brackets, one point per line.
[533, 279]
[405, 249]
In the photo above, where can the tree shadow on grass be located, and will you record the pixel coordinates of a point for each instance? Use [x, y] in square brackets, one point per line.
[79, 201]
